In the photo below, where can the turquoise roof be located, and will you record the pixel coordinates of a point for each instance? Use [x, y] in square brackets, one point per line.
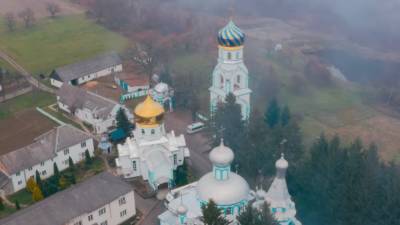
[231, 35]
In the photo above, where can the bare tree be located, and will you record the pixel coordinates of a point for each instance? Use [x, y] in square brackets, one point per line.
[28, 16]
[146, 57]
[10, 21]
[53, 9]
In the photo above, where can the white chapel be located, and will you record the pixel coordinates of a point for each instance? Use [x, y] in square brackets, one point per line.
[151, 153]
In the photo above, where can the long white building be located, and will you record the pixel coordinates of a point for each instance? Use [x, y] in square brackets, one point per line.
[84, 71]
[54, 146]
[102, 200]
[91, 108]
[152, 153]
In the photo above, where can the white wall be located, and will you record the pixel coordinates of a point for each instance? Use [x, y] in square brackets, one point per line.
[56, 83]
[76, 152]
[99, 74]
[112, 213]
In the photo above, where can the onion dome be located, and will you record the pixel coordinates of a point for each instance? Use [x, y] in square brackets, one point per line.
[231, 35]
[149, 112]
[222, 155]
[223, 192]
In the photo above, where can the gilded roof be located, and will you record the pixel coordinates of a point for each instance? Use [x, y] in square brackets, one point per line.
[149, 108]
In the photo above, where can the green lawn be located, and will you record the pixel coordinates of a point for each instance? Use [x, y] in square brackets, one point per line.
[27, 101]
[5, 65]
[24, 197]
[55, 42]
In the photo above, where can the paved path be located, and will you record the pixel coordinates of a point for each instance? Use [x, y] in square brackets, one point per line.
[34, 82]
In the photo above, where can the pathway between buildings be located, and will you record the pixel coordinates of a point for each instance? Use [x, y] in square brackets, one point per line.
[33, 81]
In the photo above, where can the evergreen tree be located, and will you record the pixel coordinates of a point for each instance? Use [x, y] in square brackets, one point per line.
[37, 194]
[2, 207]
[252, 216]
[71, 164]
[285, 116]
[212, 215]
[227, 121]
[56, 171]
[181, 175]
[123, 121]
[38, 180]
[17, 206]
[272, 114]
[88, 158]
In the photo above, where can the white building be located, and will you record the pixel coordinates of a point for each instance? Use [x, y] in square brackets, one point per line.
[54, 146]
[163, 93]
[84, 71]
[102, 199]
[98, 111]
[231, 74]
[228, 190]
[152, 153]
[278, 197]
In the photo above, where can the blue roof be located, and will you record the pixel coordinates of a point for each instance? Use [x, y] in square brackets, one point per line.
[117, 134]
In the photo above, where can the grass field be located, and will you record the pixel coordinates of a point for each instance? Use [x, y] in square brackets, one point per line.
[55, 42]
[5, 65]
[23, 102]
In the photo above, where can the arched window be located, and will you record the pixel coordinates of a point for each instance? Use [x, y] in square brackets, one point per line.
[142, 131]
[228, 211]
[229, 55]
[152, 131]
[238, 79]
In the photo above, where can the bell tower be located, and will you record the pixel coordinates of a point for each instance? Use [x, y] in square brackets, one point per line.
[230, 74]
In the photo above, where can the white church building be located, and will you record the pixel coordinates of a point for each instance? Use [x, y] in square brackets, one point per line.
[151, 153]
[231, 74]
[230, 192]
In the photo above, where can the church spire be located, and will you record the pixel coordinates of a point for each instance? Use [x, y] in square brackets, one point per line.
[278, 197]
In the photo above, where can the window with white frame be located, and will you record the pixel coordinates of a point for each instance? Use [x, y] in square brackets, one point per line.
[104, 223]
[83, 144]
[42, 163]
[30, 168]
[66, 151]
[44, 172]
[123, 213]
[78, 223]
[17, 174]
[20, 182]
[122, 201]
[102, 211]
[175, 159]
[90, 217]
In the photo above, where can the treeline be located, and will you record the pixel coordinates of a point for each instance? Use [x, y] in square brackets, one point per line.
[341, 185]
[331, 183]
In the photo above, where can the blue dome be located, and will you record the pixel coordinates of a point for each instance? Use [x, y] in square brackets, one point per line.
[231, 36]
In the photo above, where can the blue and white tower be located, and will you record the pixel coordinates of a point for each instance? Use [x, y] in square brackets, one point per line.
[231, 74]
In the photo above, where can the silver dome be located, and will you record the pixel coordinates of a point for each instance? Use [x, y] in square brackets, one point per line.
[222, 155]
[223, 192]
[282, 163]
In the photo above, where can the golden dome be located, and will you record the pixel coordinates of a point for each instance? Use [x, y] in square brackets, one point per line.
[148, 112]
